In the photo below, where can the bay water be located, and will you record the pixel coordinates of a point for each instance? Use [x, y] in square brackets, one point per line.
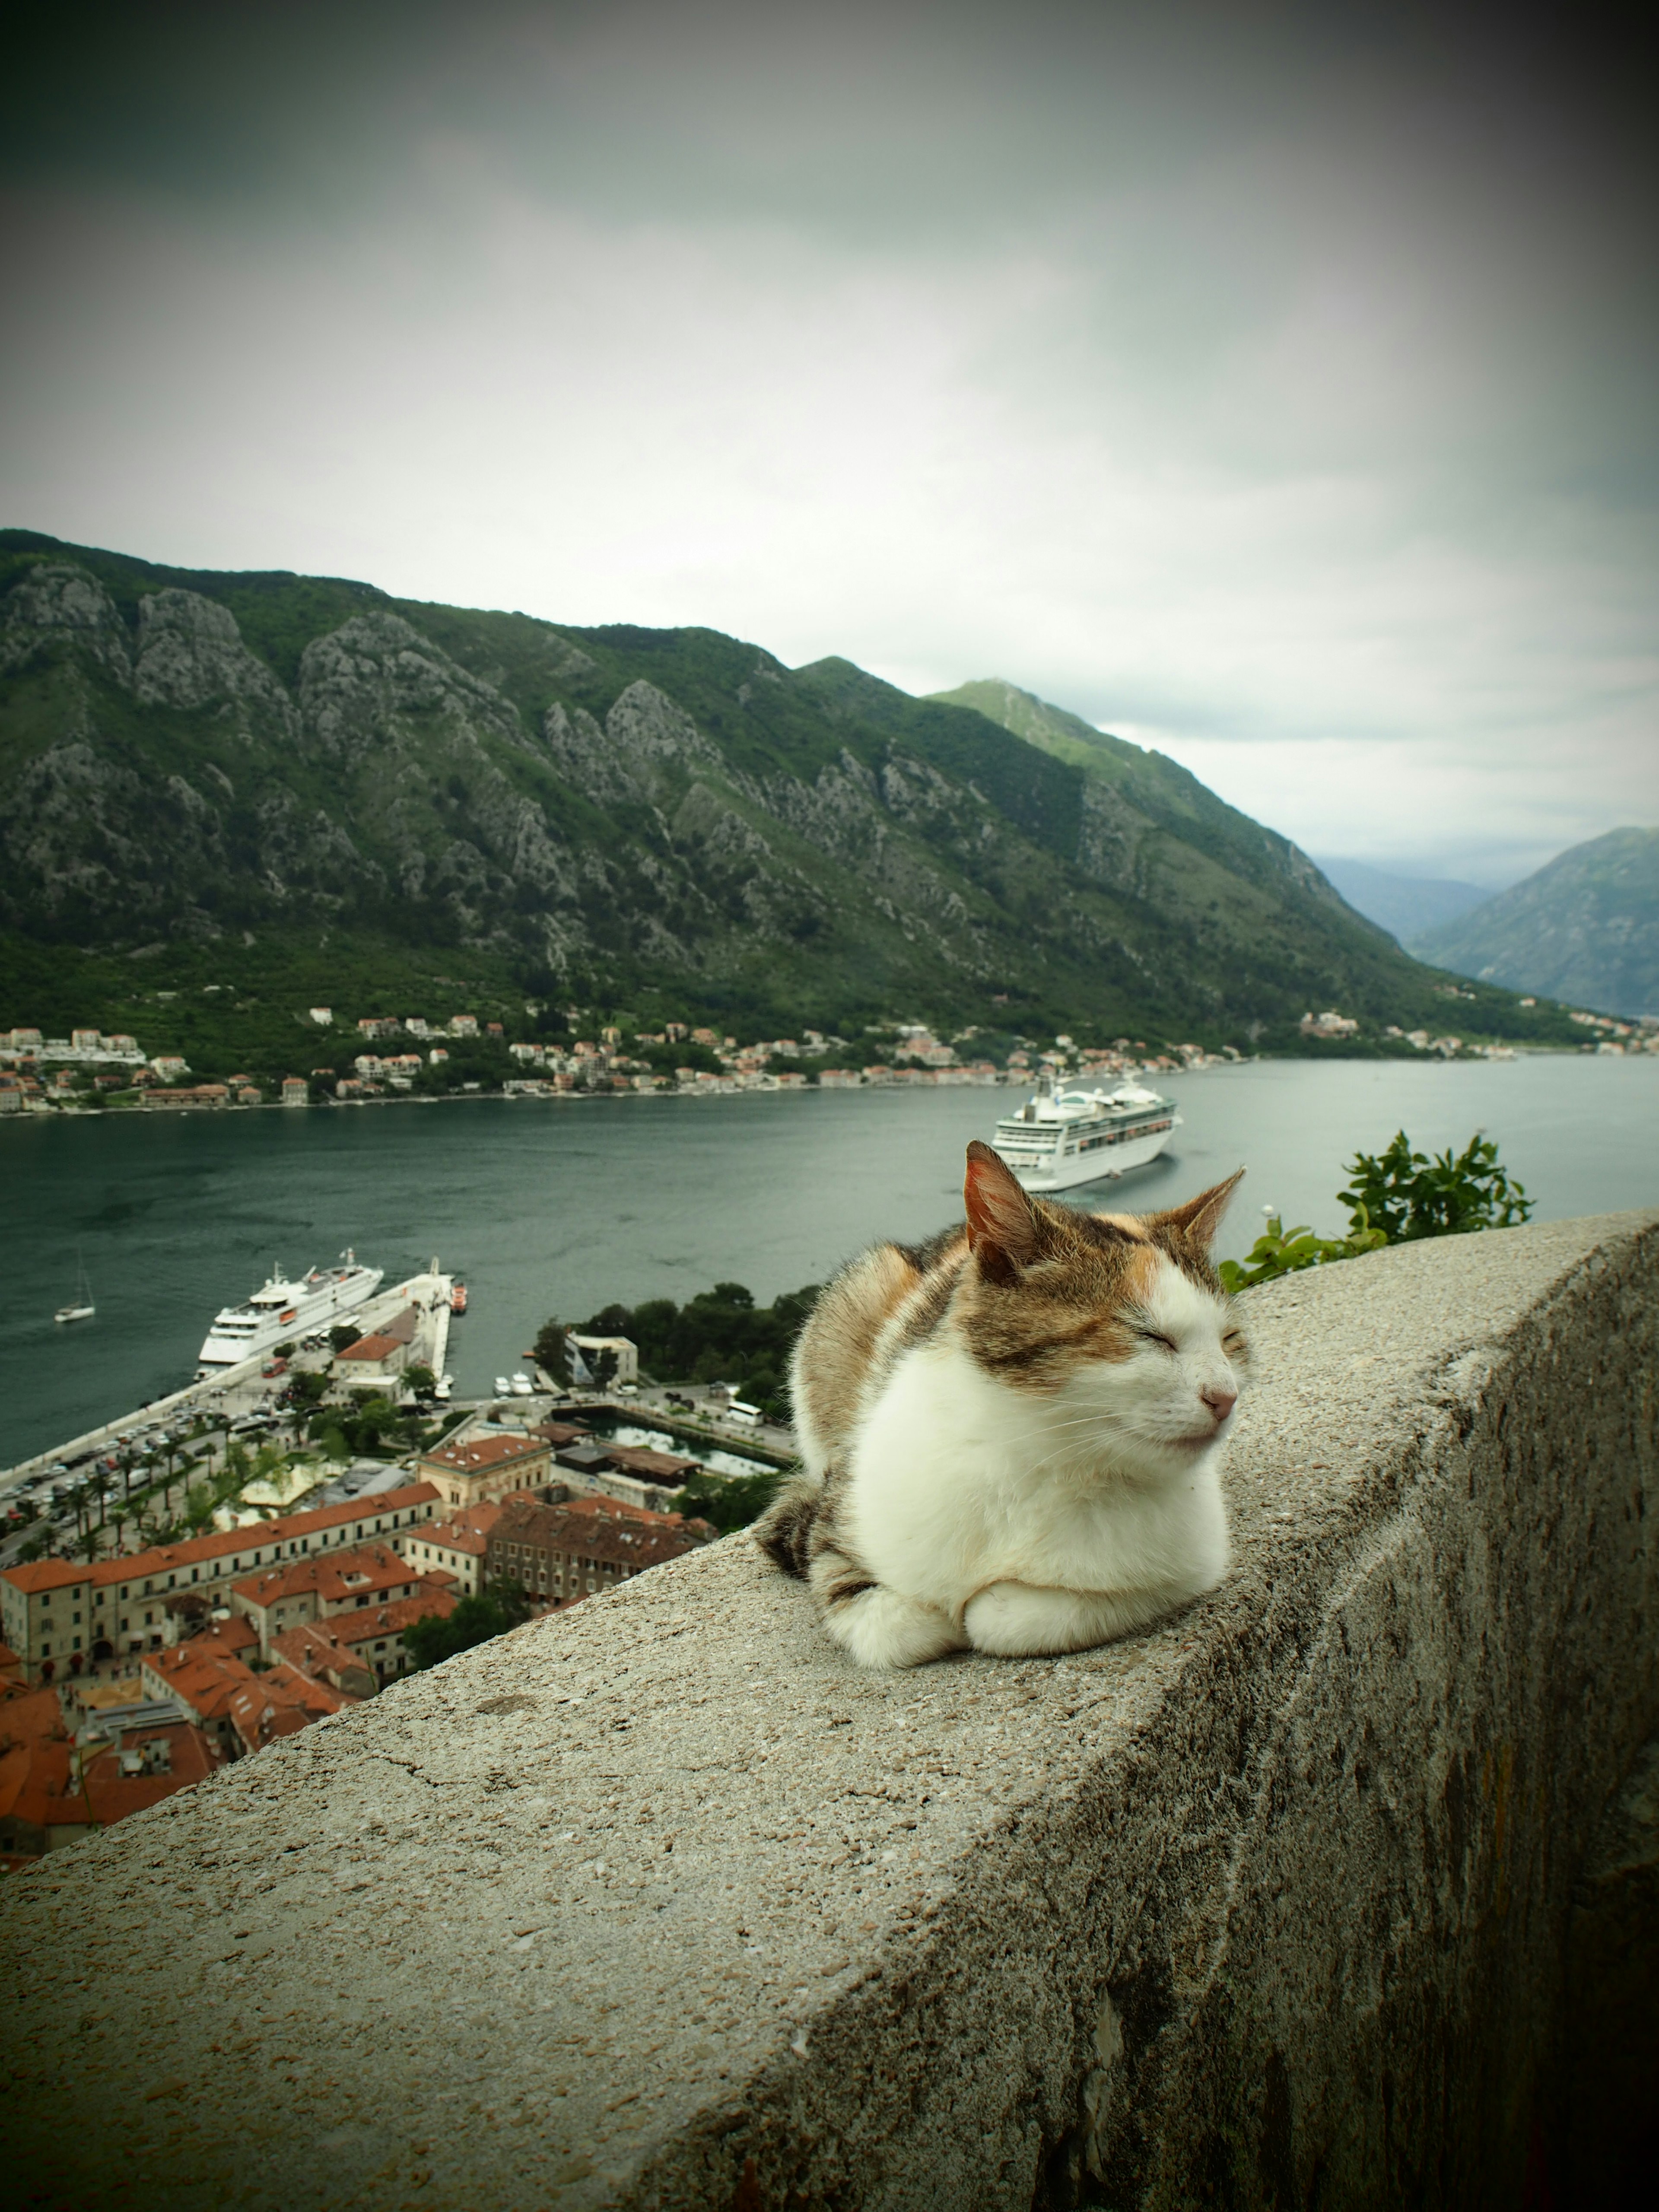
[559, 1206]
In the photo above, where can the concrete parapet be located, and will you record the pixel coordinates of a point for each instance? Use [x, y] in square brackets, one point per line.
[661, 1903]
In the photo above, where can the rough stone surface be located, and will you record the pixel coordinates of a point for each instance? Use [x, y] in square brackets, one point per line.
[662, 1904]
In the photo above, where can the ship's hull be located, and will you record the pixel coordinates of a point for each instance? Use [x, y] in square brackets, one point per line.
[1096, 1157]
[241, 1332]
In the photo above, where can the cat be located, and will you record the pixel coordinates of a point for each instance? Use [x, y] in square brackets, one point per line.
[1009, 1434]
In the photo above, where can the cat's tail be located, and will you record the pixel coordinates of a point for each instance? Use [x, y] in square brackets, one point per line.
[784, 1531]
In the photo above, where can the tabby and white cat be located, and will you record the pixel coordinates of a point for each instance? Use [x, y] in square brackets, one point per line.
[1009, 1434]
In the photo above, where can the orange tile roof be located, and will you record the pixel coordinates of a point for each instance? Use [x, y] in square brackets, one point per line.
[391, 1620]
[37, 1714]
[195, 1754]
[635, 1540]
[449, 1536]
[281, 1702]
[338, 1578]
[310, 1645]
[197, 1551]
[34, 1787]
[205, 1681]
[372, 1347]
[46, 1574]
[234, 1635]
[482, 1452]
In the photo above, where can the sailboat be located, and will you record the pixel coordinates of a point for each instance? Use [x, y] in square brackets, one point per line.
[80, 1306]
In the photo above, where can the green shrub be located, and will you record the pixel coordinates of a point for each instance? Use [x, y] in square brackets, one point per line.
[1410, 1195]
[1394, 1197]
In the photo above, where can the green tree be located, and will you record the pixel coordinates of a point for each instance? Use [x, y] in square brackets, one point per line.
[728, 1501]
[339, 1336]
[421, 1380]
[435, 1637]
[552, 1354]
[1410, 1195]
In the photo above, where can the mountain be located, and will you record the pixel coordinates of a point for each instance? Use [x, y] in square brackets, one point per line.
[195, 767]
[1405, 906]
[1584, 928]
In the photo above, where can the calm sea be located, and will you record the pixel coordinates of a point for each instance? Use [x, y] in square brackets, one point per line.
[562, 1207]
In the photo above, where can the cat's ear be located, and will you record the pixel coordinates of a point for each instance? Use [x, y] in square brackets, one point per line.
[1002, 1229]
[1200, 1217]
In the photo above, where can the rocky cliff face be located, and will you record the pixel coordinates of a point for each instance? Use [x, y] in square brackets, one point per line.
[220, 753]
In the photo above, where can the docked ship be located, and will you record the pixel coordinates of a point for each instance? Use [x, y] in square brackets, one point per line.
[283, 1309]
[1061, 1137]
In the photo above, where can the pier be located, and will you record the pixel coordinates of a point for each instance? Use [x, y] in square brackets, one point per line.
[245, 1388]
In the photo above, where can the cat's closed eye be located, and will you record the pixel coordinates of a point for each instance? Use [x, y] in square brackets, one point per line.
[1152, 1336]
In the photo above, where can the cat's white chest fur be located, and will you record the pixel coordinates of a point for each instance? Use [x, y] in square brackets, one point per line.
[958, 1485]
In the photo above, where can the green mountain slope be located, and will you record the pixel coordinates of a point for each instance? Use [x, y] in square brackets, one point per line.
[308, 774]
[1584, 928]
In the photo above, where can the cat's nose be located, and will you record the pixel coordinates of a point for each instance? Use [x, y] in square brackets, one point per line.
[1219, 1399]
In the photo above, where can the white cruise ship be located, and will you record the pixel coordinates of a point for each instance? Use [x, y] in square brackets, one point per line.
[285, 1310]
[1060, 1137]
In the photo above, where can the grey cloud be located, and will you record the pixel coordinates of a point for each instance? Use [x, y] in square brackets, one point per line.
[1261, 377]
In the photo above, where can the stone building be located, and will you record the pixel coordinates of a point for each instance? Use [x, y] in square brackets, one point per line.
[484, 1467]
[561, 1554]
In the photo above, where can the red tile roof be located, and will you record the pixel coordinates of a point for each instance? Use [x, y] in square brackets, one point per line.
[206, 1681]
[312, 1648]
[281, 1702]
[340, 1578]
[376, 1621]
[46, 1574]
[482, 1452]
[224, 1544]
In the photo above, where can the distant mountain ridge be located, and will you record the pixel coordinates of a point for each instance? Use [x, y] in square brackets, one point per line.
[200, 758]
[1405, 906]
[1584, 928]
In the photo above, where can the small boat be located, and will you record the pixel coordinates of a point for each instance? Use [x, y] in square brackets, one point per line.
[458, 1297]
[80, 1306]
[503, 1386]
[442, 1388]
[521, 1386]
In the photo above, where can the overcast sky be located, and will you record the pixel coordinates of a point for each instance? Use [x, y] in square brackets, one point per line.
[1273, 386]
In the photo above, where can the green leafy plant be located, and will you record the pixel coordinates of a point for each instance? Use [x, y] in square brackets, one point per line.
[1411, 1195]
[1395, 1197]
[1280, 1251]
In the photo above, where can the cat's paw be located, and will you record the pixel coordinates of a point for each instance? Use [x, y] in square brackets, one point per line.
[1018, 1620]
[880, 1628]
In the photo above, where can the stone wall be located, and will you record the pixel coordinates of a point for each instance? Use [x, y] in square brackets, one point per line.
[661, 1903]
